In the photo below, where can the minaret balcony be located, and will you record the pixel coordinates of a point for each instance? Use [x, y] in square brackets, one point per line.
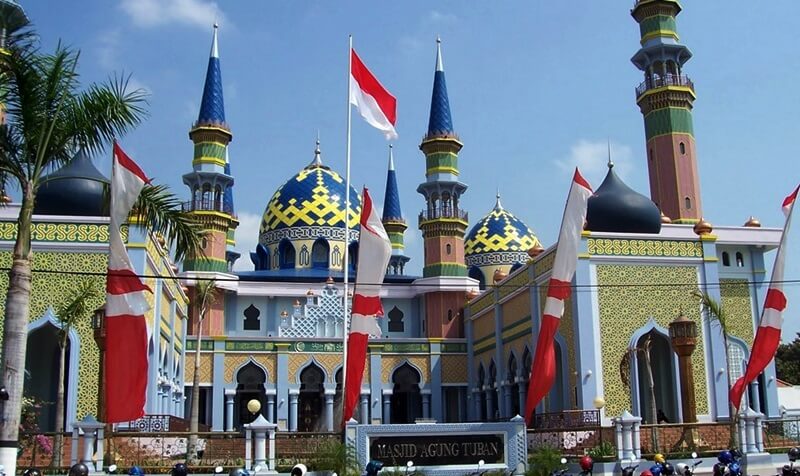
[207, 205]
[446, 213]
[667, 80]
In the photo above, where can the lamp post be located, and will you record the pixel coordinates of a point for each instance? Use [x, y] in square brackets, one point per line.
[683, 334]
[99, 328]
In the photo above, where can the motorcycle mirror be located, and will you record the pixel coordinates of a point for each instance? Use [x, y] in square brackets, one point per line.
[563, 460]
[411, 463]
[112, 468]
[218, 470]
[694, 454]
[257, 468]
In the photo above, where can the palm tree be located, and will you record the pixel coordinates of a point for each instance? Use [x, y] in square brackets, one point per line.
[205, 293]
[48, 118]
[713, 311]
[79, 305]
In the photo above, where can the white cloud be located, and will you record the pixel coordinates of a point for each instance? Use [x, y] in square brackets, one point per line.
[246, 239]
[437, 17]
[152, 13]
[591, 157]
[108, 49]
[421, 37]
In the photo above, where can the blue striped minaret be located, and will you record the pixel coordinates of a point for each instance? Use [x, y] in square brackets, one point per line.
[393, 221]
[210, 181]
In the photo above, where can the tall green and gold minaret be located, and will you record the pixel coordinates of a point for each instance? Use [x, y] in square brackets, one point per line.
[443, 222]
[665, 98]
[210, 181]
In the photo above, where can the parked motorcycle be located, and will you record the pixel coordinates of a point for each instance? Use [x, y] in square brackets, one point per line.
[560, 471]
[587, 464]
[683, 469]
[629, 470]
[790, 469]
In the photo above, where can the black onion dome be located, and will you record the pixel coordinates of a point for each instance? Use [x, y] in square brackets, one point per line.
[615, 207]
[77, 189]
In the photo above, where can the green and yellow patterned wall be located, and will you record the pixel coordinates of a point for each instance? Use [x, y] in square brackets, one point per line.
[628, 296]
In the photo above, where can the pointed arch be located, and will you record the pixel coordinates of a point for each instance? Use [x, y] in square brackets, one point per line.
[665, 369]
[422, 382]
[249, 361]
[353, 255]
[406, 399]
[49, 319]
[287, 254]
[326, 377]
[320, 254]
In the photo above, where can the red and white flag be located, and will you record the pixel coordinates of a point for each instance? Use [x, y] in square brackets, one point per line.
[126, 329]
[768, 335]
[543, 370]
[375, 104]
[374, 251]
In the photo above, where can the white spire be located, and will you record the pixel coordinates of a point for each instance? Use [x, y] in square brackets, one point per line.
[439, 66]
[214, 47]
[610, 162]
[391, 158]
[498, 205]
[317, 154]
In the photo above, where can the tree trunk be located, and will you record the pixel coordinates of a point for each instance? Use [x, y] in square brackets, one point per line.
[652, 387]
[58, 439]
[194, 415]
[15, 335]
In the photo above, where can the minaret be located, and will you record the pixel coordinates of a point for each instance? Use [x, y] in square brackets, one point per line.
[443, 223]
[393, 221]
[210, 181]
[665, 98]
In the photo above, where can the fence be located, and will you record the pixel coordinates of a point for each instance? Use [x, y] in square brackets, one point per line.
[157, 452]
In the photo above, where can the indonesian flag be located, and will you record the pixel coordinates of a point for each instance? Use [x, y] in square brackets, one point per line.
[768, 335]
[374, 250]
[543, 370]
[376, 105]
[126, 329]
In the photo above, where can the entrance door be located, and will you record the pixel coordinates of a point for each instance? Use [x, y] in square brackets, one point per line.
[664, 388]
[251, 379]
[406, 397]
[311, 400]
[41, 367]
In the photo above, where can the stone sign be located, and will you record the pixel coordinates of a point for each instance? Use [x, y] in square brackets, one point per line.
[437, 450]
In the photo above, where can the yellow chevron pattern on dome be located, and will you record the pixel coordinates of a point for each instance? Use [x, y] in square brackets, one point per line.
[313, 197]
[499, 231]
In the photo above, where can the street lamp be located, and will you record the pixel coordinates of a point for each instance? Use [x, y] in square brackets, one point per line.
[683, 335]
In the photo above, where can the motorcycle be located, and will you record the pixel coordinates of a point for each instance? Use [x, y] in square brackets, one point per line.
[790, 469]
[683, 469]
[560, 471]
[629, 470]
[728, 463]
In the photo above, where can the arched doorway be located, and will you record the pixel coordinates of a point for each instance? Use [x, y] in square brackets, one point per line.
[556, 398]
[311, 399]
[664, 381]
[511, 377]
[251, 379]
[41, 374]
[406, 397]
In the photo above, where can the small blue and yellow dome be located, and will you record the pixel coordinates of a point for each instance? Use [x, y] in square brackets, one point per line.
[308, 212]
[499, 241]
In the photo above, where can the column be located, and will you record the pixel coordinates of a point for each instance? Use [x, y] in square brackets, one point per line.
[329, 409]
[523, 392]
[477, 402]
[364, 420]
[281, 381]
[270, 416]
[488, 391]
[426, 404]
[507, 399]
[387, 406]
[293, 396]
[375, 383]
[165, 391]
[230, 393]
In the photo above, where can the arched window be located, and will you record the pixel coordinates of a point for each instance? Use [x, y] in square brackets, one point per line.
[218, 198]
[353, 255]
[448, 249]
[476, 274]
[688, 203]
[739, 259]
[286, 252]
[319, 253]
[682, 147]
[726, 259]
[650, 154]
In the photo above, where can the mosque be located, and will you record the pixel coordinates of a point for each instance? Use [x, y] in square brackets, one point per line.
[457, 341]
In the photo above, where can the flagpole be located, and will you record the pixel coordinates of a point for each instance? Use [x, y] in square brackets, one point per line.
[345, 327]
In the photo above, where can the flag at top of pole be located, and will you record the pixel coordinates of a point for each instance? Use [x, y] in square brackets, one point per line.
[375, 104]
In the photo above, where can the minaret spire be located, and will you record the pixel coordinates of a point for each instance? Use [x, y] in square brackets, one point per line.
[393, 220]
[610, 162]
[440, 122]
[212, 107]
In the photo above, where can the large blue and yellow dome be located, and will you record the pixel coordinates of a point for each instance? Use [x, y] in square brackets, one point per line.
[308, 212]
[499, 241]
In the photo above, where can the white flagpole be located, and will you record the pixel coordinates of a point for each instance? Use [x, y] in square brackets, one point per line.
[345, 326]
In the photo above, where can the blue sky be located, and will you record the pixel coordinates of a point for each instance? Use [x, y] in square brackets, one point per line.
[535, 89]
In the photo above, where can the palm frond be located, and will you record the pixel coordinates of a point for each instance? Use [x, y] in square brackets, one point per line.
[160, 209]
[712, 309]
[78, 304]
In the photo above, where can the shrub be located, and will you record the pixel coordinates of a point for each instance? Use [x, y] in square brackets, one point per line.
[544, 461]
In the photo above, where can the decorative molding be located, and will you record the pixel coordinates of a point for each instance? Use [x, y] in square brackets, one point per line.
[622, 247]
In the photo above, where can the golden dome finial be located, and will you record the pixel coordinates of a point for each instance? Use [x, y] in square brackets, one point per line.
[752, 222]
[703, 227]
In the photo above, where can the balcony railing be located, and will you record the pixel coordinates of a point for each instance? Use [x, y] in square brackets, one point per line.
[207, 205]
[661, 81]
[443, 212]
